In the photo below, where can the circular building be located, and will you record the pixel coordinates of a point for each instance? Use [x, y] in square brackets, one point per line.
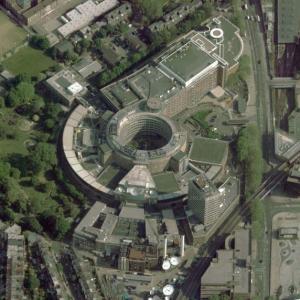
[144, 138]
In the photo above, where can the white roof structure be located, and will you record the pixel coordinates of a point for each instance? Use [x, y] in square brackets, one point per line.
[139, 176]
[75, 88]
[84, 14]
[166, 265]
[168, 290]
[174, 260]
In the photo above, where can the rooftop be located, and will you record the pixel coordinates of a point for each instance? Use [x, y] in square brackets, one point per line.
[166, 183]
[208, 151]
[188, 62]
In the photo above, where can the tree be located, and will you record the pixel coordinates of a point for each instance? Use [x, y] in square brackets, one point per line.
[98, 43]
[53, 111]
[49, 187]
[37, 104]
[152, 9]
[5, 169]
[32, 224]
[50, 123]
[44, 157]
[48, 220]
[208, 9]
[39, 42]
[69, 56]
[15, 196]
[7, 214]
[2, 102]
[31, 281]
[15, 173]
[250, 155]
[23, 93]
[244, 67]
[62, 226]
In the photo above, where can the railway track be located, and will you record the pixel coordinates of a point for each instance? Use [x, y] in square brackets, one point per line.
[190, 287]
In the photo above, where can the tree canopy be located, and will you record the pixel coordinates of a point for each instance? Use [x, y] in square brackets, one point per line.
[43, 157]
[40, 42]
[250, 155]
[152, 9]
[22, 93]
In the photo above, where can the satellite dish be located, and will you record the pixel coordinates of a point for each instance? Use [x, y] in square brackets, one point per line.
[175, 261]
[168, 290]
[166, 265]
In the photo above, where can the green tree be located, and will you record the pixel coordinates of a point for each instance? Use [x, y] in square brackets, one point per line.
[39, 42]
[250, 155]
[37, 104]
[7, 214]
[44, 157]
[32, 224]
[50, 123]
[5, 169]
[244, 67]
[31, 281]
[62, 226]
[208, 9]
[152, 9]
[2, 102]
[23, 93]
[15, 173]
[15, 197]
[49, 187]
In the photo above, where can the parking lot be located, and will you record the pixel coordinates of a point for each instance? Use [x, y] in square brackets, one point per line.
[285, 257]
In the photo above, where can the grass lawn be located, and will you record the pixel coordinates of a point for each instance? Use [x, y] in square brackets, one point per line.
[11, 35]
[28, 60]
[10, 121]
[201, 115]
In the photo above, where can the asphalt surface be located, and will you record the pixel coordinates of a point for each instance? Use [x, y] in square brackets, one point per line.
[261, 79]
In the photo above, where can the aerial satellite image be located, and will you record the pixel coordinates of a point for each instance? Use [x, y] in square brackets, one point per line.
[149, 149]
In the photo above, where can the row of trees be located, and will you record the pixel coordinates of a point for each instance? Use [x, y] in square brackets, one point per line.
[244, 69]
[193, 21]
[237, 17]
[108, 75]
[250, 156]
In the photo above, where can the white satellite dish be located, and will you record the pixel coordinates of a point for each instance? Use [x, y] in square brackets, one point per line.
[174, 261]
[168, 290]
[166, 265]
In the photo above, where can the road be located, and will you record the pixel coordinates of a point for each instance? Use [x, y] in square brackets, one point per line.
[190, 288]
[264, 115]
[261, 79]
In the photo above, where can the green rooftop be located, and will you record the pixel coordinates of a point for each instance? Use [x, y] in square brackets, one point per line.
[166, 183]
[208, 151]
[188, 61]
[232, 42]
[111, 176]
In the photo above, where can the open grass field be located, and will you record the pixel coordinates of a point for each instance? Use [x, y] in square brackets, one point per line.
[11, 35]
[28, 60]
[12, 123]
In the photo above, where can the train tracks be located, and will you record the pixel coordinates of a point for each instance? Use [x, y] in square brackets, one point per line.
[191, 286]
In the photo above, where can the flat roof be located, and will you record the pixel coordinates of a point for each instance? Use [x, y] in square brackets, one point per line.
[188, 61]
[208, 151]
[111, 176]
[166, 183]
[129, 212]
[288, 21]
